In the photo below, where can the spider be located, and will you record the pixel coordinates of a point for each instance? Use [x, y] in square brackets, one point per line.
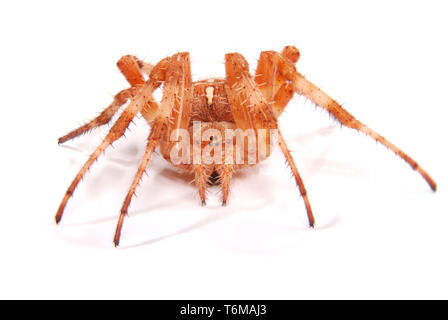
[193, 117]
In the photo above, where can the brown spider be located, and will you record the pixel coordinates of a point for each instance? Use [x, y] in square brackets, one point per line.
[202, 113]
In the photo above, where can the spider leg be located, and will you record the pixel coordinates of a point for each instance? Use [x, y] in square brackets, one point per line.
[275, 87]
[115, 133]
[104, 117]
[173, 114]
[247, 103]
[130, 67]
[118, 129]
[250, 109]
[145, 67]
[297, 177]
[306, 88]
[153, 141]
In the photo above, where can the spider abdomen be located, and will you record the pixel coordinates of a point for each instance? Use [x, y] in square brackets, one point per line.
[210, 102]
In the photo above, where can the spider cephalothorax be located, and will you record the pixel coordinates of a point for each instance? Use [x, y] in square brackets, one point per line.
[213, 127]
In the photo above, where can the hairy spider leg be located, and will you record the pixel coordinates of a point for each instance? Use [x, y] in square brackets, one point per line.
[179, 94]
[174, 113]
[250, 110]
[153, 141]
[144, 93]
[130, 68]
[115, 133]
[133, 68]
[275, 88]
[306, 88]
[295, 172]
[103, 118]
[145, 67]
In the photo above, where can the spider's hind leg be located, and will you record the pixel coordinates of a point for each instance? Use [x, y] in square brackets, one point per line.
[304, 87]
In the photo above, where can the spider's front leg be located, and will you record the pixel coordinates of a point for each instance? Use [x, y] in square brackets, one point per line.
[251, 111]
[306, 88]
[173, 114]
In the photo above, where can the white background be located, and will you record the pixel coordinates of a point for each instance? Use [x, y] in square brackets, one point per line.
[381, 232]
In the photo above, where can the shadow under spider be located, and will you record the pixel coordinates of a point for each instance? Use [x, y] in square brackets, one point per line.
[215, 218]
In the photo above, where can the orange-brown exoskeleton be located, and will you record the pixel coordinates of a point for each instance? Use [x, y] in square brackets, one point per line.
[215, 126]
